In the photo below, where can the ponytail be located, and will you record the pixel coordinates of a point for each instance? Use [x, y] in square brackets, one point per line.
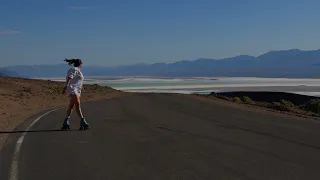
[75, 62]
[69, 61]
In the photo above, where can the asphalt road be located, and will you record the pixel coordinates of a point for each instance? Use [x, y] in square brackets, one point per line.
[167, 137]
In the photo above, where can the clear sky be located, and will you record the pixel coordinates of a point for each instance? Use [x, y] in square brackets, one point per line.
[116, 32]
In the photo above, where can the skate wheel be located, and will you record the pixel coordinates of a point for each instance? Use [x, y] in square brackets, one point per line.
[65, 128]
[84, 127]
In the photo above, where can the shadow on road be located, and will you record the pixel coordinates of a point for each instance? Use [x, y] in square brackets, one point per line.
[34, 131]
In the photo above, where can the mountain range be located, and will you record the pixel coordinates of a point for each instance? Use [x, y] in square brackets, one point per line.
[293, 63]
[5, 72]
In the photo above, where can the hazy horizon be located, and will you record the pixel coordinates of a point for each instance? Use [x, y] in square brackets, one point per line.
[125, 32]
[86, 63]
[205, 85]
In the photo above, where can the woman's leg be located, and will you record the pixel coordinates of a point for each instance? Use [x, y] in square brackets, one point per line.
[75, 102]
[83, 122]
[70, 107]
[78, 105]
[68, 114]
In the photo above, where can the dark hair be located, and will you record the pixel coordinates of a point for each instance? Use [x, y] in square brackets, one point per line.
[75, 62]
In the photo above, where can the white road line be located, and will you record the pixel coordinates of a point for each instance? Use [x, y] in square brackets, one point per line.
[15, 158]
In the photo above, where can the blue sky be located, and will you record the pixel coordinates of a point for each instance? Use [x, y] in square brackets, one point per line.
[117, 32]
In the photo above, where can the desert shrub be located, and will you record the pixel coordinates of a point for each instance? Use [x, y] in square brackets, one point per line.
[276, 103]
[214, 94]
[286, 105]
[22, 95]
[247, 100]
[51, 89]
[313, 105]
[96, 86]
[27, 90]
[237, 100]
[56, 89]
[224, 97]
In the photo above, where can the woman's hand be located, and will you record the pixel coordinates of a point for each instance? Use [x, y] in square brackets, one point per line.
[66, 85]
[64, 91]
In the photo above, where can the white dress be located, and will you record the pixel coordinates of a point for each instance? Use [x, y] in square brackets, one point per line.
[76, 82]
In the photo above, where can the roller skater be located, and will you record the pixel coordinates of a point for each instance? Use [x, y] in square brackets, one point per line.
[73, 87]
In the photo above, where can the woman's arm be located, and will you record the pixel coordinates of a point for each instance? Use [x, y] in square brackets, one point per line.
[66, 85]
[70, 75]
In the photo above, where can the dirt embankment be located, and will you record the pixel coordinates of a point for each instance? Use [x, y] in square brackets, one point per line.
[21, 98]
[270, 97]
[285, 103]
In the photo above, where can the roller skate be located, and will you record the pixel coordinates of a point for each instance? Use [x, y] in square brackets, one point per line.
[66, 125]
[83, 124]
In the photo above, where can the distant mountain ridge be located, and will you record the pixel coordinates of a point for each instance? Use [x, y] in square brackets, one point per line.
[5, 72]
[293, 63]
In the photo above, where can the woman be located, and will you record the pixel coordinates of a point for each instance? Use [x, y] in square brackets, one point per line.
[73, 87]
